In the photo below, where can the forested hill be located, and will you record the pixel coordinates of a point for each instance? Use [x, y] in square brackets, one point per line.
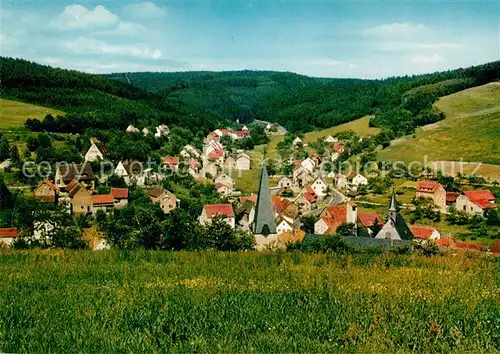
[201, 101]
[302, 103]
[92, 101]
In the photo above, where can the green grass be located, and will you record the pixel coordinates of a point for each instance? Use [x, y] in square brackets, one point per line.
[471, 131]
[14, 114]
[92, 302]
[359, 126]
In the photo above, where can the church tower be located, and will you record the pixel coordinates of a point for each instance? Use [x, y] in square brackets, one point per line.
[264, 223]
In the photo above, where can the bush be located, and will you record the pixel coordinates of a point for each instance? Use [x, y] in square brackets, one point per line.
[427, 249]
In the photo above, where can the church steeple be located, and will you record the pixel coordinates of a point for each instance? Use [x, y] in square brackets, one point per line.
[393, 208]
[264, 216]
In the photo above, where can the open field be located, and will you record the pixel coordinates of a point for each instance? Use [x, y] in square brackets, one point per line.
[471, 131]
[84, 301]
[14, 113]
[359, 126]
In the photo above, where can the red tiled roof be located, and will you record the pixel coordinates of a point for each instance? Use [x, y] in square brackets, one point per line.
[484, 204]
[216, 154]
[310, 191]
[309, 197]
[334, 221]
[219, 209]
[479, 195]
[428, 186]
[8, 232]
[297, 162]
[241, 133]
[170, 160]
[277, 204]
[339, 148]
[119, 193]
[219, 185]
[368, 219]
[482, 198]
[451, 197]
[447, 241]
[470, 246]
[422, 232]
[194, 163]
[71, 185]
[252, 198]
[103, 199]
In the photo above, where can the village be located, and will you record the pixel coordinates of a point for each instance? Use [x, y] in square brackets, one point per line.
[309, 199]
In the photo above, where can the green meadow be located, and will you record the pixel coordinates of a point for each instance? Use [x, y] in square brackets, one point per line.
[14, 113]
[470, 131]
[178, 302]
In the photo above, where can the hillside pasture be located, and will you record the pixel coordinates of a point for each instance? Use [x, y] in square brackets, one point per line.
[116, 301]
[14, 113]
[359, 126]
[470, 132]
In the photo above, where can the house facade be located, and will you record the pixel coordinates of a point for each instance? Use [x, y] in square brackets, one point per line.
[285, 182]
[8, 235]
[433, 191]
[242, 162]
[164, 198]
[212, 210]
[475, 202]
[47, 191]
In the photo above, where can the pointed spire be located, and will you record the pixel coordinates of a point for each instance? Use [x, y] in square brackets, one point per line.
[264, 216]
[394, 205]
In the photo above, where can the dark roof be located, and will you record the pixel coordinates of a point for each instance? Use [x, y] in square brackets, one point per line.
[80, 172]
[264, 215]
[402, 228]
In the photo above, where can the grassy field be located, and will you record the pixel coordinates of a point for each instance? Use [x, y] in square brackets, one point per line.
[359, 126]
[471, 131]
[14, 113]
[62, 301]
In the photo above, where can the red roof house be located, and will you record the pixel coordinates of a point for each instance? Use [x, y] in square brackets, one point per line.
[170, 160]
[119, 193]
[425, 232]
[103, 199]
[7, 232]
[482, 198]
[212, 210]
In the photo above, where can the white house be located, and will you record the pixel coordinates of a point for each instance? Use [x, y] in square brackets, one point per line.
[283, 226]
[425, 233]
[330, 139]
[189, 151]
[132, 129]
[297, 142]
[301, 176]
[475, 202]
[242, 162]
[209, 168]
[309, 164]
[319, 187]
[223, 189]
[145, 131]
[285, 182]
[341, 181]
[94, 153]
[357, 179]
[162, 130]
[212, 210]
[8, 235]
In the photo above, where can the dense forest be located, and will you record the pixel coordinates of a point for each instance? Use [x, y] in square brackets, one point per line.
[201, 101]
[301, 103]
